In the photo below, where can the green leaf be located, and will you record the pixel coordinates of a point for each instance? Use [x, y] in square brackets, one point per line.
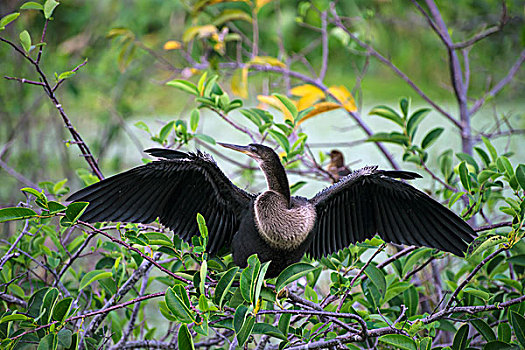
[425, 344]
[203, 272]
[520, 175]
[484, 156]
[492, 150]
[92, 276]
[484, 175]
[414, 257]
[281, 139]
[399, 341]
[224, 285]
[143, 126]
[185, 339]
[260, 280]
[377, 277]
[65, 75]
[49, 342]
[288, 104]
[518, 323]
[75, 210]
[296, 186]
[499, 345]
[201, 222]
[411, 298]
[49, 7]
[206, 138]
[47, 304]
[393, 137]
[210, 86]
[34, 192]
[249, 278]
[463, 175]
[415, 119]
[461, 338]
[231, 15]
[505, 166]
[482, 243]
[484, 329]
[184, 85]
[178, 303]
[13, 317]
[194, 119]
[478, 293]
[246, 330]
[55, 207]
[469, 159]
[403, 104]
[504, 332]
[31, 5]
[201, 82]
[158, 238]
[239, 317]
[8, 19]
[65, 338]
[284, 323]
[292, 273]
[165, 131]
[431, 137]
[25, 40]
[61, 309]
[16, 213]
[268, 329]
[387, 113]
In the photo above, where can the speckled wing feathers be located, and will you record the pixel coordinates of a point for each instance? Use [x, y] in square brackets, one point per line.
[370, 201]
[174, 189]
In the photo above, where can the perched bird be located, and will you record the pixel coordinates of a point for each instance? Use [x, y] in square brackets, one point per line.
[337, 167]
[273, 224]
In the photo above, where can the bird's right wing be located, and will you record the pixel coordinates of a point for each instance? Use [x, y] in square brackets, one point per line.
[371, 201]
[174, 189]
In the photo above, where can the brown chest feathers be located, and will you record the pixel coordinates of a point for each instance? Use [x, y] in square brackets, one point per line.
[282, 227]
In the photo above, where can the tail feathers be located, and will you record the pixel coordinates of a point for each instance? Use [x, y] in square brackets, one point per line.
[166, 153]
[400, 174]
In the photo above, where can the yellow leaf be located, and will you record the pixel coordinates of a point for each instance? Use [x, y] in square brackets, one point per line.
[344, 97]
[199, 31]
[277, 104]
[319, 108]
[260, 3]
[239, 83]
[172, 45]
[306, 89]
[267, 60]
[309, 95]
[308, 101]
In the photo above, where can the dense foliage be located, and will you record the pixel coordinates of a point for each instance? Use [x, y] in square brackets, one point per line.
[68, 284]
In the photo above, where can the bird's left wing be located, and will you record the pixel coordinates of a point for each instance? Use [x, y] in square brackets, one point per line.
[174, 189]
[371, 201]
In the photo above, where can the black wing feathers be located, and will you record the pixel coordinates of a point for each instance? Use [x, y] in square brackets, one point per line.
[370, 201]
[173, 189]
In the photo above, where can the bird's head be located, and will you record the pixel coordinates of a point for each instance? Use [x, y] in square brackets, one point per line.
[257, 151]
[336, 158]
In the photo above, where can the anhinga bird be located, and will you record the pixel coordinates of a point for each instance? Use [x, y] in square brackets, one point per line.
[337, 167]
[273, 224]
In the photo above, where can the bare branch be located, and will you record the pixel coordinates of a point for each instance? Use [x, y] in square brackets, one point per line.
[471, 275]
[337, 21]
[500, 85]
[84, 149]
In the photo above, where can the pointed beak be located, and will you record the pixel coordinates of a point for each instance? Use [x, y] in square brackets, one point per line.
[242, 149]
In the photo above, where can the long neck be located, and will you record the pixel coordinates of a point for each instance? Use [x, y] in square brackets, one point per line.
[276, 177]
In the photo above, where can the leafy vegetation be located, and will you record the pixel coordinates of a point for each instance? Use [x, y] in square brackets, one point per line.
[68, 284]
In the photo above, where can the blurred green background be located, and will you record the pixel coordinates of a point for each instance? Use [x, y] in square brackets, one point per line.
[119, 87]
